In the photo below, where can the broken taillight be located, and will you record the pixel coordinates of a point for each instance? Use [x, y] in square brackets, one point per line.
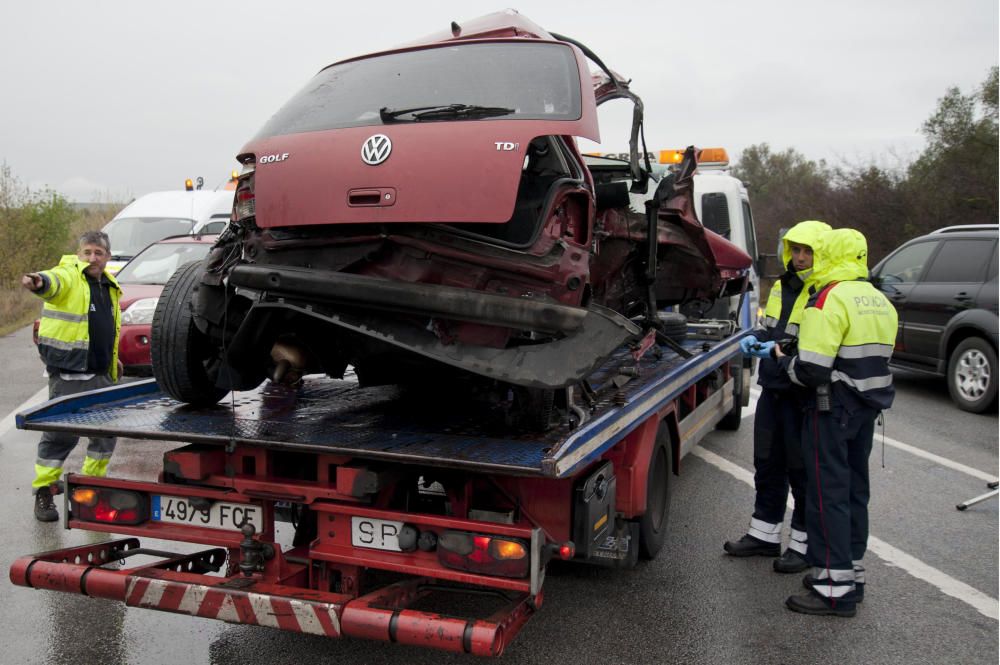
[244, 206]
[112, 506]
[488, 555]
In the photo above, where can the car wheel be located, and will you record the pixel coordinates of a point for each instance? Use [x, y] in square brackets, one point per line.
[185, 362]
[972, 375]
[659, 487]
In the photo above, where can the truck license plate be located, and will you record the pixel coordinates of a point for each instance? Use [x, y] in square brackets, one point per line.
[219, 515]
[375, 534]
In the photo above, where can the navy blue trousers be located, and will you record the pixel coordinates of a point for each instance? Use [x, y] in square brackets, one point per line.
[777, 458]
[836, 446]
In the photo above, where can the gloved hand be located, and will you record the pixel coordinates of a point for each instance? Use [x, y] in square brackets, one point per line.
[762, 349]
[746, 344]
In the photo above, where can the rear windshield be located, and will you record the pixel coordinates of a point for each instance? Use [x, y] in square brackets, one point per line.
[130, 234]
[538, 81]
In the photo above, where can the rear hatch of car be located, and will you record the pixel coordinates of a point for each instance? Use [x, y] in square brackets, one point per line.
[437, 134]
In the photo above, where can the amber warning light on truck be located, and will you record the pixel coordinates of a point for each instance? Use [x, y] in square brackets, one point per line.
[706, 156]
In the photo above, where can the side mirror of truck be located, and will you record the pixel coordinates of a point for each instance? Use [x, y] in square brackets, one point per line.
[769, 266]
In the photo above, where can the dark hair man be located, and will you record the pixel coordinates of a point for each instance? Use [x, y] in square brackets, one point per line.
[78, 342]
[777, 426]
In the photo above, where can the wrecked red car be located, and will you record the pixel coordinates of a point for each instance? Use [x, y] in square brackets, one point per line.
[424, 215]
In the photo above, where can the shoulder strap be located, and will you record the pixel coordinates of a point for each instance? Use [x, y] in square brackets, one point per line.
[818, 299]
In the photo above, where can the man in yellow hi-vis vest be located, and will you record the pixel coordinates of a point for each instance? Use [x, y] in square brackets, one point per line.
[78, 342]
[846, 338]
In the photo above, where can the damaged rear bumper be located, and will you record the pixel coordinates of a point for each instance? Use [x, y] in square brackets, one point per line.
[362, 305]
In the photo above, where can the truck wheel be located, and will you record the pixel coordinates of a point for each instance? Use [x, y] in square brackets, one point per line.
[659, 487]
[731, 421]
[185, 362]
[972, 375]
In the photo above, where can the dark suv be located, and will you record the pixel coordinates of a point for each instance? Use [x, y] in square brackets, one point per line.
[944, 286]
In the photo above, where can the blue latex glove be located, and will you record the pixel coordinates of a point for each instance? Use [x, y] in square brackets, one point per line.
[762, 349]
[746, 344]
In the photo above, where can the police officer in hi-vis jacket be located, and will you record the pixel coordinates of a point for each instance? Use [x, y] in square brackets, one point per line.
[846, 338]
[777, 426]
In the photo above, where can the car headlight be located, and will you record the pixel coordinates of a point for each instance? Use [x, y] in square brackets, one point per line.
[140, 312]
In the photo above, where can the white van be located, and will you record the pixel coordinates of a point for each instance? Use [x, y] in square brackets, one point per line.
[158, 215]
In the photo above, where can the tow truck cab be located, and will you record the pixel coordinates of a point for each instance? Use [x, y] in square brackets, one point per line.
[723, 205]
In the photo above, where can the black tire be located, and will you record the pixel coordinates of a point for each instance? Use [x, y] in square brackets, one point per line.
[732, 420]
[659, 487]
[185, 362]
[972, 375]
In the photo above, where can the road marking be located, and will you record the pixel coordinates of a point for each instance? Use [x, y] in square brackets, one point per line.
[905, 447]
[948, 585]
[937, 459]
[8, 423]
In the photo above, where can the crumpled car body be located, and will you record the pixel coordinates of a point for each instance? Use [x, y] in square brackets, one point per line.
[425, 214]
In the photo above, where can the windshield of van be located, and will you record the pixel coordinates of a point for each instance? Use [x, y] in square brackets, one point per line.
[130, 234]
[524, 80]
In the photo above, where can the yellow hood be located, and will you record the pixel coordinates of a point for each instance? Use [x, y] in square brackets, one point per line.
[840, 255]
[803, 233]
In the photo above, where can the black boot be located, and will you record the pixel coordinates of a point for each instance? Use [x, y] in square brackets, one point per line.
[750, 546]
[813, 603]
[45, 507]
[858, 595]
[791, 562]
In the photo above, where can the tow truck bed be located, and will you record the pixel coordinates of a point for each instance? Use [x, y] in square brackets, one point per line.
[339, 417]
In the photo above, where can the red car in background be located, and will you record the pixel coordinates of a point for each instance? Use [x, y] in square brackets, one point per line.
[142, 279]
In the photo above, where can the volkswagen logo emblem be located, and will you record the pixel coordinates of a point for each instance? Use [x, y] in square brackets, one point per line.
[376, 149]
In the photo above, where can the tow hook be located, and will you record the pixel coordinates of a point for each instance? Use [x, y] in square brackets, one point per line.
[253, 553]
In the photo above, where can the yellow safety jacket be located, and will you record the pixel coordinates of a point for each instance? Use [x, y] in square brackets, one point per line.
[848, 329]
[786, 303]
[63, 332]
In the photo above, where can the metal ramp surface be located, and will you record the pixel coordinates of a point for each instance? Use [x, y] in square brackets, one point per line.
[340, 417]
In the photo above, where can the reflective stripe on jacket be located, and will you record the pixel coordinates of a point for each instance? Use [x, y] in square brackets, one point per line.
[849, 327]
[63, 332]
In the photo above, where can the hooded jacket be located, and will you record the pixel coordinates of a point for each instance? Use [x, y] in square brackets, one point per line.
[848, 328]
[64, 332]
[787, 301]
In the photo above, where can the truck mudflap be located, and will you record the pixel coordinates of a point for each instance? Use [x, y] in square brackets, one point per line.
[180, 583]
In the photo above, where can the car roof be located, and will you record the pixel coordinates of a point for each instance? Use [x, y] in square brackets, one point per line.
[967, 228]
[198, 205]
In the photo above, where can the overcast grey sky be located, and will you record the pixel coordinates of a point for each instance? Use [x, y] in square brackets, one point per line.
[106, 100]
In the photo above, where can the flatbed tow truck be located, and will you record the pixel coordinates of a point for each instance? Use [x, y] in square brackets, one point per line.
[398, 504]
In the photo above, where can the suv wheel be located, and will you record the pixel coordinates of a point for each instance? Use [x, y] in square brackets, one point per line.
[972, 375]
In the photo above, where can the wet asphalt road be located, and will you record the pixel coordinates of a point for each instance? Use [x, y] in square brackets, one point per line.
[691, 605]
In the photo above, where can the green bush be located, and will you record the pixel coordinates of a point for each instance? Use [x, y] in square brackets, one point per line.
[36, 228]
